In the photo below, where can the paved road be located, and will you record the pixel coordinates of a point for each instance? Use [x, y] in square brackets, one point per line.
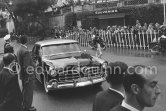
[81, 99]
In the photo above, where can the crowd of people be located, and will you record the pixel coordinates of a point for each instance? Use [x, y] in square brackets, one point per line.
[16, 85]
[144, 27]
[132, 88]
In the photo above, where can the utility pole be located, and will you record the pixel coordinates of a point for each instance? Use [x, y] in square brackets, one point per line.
[164, 2]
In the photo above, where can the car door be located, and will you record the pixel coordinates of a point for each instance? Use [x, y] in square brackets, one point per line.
[38, 61]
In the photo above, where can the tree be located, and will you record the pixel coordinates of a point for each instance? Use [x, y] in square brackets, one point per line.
[24, 12]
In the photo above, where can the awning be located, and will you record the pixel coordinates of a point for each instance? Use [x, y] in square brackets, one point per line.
[117, 15]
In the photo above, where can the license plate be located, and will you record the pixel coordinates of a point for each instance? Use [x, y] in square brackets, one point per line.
[82, 79]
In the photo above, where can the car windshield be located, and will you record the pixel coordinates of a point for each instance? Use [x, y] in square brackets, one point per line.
[57, 49]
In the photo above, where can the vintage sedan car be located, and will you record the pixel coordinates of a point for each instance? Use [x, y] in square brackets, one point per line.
[61, 64]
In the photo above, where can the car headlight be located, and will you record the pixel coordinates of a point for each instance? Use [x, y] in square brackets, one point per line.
[52, 71]
[104, 65]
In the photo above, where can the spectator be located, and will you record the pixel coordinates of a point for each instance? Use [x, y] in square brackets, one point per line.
[150, 28]
[141, 89]
[97, 41]
[138, 25]
[157, 26]
[8, 49]
[145, 27]
[25, 60]
[135, 35]
[7, 40]
[105, 100]
[10, 93]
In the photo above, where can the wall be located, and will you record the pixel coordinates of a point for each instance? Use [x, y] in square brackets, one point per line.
[57, 21]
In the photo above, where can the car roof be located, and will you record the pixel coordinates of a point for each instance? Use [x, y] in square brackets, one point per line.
[55, 41]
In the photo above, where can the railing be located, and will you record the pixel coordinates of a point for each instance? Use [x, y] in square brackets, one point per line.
[128, 40]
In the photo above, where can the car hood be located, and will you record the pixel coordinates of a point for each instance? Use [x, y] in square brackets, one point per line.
[62, 63]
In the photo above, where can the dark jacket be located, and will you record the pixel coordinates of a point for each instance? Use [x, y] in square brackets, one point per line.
[24, 59]
[106, 100]
[119, 108]
[10, 93]
[2, 64]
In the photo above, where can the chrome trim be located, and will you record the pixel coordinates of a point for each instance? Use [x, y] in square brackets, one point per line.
[66, 85]
[70, 75]
[74, 85]
[98, 80]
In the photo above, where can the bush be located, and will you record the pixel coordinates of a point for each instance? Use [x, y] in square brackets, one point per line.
[3, 32]
[150, 14]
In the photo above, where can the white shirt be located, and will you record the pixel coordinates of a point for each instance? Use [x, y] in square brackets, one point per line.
[127, 106]
[117, 92]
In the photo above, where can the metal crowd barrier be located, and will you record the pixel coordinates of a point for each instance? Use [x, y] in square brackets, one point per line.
[127, 39]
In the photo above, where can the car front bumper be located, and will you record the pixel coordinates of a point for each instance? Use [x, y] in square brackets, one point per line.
[55, 85]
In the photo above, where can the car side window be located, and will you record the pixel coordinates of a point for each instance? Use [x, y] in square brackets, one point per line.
[36, 50]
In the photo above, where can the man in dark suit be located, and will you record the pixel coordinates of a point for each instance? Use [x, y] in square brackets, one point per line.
[27, 76]
[8, 49]
[105, 100]
[10, 92]
[141, 89]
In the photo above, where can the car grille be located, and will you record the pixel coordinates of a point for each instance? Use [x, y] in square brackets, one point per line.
[71, 75]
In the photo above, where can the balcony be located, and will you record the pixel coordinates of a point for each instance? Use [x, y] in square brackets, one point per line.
[107, 4]
[120, 3]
